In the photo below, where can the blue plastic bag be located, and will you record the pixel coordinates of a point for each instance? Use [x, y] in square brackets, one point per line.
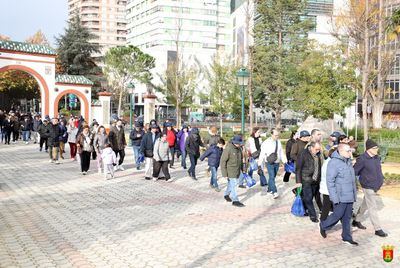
[297, 207]
[289, 167]
[250, 182]
[253, 164]
[141, 158]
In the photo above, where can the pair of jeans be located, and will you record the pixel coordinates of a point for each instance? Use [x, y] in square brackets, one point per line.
[193, 163]
[309, 192]
[183, 158]
[231, 189]
[7, 137]
[260, 172]
[172, 150]
[136, 153]
[121, 156]
[85, 161]
[341, 212]
[25, 135]
[213, 180]
[272, 172]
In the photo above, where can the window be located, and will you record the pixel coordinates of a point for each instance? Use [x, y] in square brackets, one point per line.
[396, 66]
[393, 89]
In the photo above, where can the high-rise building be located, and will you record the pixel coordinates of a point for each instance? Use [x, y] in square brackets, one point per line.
[200, 26]
[104, 18]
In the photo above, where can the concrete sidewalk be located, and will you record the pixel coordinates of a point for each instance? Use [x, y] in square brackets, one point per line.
[51, 216]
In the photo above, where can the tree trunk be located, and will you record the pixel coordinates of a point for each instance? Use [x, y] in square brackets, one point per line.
[220, 124]
[365, 118]
[278, 119]
[120, 103]
[377, 113]
[178, 114]
[365, 73]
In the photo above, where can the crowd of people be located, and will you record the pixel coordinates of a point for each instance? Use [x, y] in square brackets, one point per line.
[327, 175]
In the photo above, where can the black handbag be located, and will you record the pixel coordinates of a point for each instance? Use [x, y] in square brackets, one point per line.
[256, 154]
[274, 156]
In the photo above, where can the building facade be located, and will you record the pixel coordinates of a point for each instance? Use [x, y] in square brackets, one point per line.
[104, 18]
[201, 28]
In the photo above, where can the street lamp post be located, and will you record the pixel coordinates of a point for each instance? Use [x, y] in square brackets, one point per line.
[131, 88]
[243, 80]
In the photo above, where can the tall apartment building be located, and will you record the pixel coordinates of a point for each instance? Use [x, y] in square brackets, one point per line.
[104, 18]
[201, 26]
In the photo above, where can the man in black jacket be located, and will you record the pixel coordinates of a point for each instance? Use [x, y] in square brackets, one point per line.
[368, 167]
[54, 141]
[44, 133]
[192, 146]
[136, 137]
[308, 173]
[146, 148]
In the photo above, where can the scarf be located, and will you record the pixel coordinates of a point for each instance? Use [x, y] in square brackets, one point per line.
[316, 167]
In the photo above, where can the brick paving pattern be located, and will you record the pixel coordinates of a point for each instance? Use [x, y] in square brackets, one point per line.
[51, 216]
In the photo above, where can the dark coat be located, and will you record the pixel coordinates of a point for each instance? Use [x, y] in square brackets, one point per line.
[305, 167]
[289, 146]
[117, 138]
[63, 134]
[7, 126]
[213, 153]
[193, 143]
[297, 148]
[147, 144]
[370, 171]
[136, 137]
[44, 130]
[16, 125]
[231, 161]
[26, 125]
[54, 135]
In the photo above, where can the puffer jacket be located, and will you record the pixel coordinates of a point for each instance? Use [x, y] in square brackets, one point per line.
[305, 167]
[213, 154]
[341, 180]
[161, 151]
[54, 135]
[44, 130]
[231, 161]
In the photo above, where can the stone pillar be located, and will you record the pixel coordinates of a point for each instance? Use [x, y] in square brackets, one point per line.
[104, 116]
[149, 107]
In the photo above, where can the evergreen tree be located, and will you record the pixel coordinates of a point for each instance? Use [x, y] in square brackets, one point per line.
[75, 51]
[281, 43]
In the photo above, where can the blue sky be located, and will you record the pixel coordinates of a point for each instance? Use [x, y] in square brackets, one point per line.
[20, 19]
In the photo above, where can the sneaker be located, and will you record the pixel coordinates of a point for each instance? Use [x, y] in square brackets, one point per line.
[26, 143]
[51, 161]
[73, 159]
[147, 178]
[237, 204]
[351, 242]
[84, 173]
[137, 168]
[184, 167]
[57, 162]
[314, 220]
[359, 225]
[276, 195]
[242, 186]
[172, 167]
[381, 233]
[116, 168]
[121, 168]
[154, 179]
[227, 198]
[40, 149]
[217, 189]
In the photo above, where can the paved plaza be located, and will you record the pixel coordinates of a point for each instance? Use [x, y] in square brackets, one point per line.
[51, 216]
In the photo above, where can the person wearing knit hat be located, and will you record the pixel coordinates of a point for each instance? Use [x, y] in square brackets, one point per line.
[368, 168]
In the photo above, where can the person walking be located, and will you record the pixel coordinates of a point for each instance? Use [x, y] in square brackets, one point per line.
[272, 154]
[7, 129]
[85, 148]
[35, 129]
[300, 144]
[192, 146]
[214, 153]
[147, 149]
[289, 146]
[253, 147]
[44, 132]
[182, 136]
[99, 143]
[94, 127]
[161, 157]
[63, 138]
[72, 131]
[323, 188]
[308, 174]
[54, 141]
[109, 159]
[16, 128]
[136, 137]
[341, 182]
[368, 168]
[26, 127]
[171, 138]
[231, 166]
[118, 142]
